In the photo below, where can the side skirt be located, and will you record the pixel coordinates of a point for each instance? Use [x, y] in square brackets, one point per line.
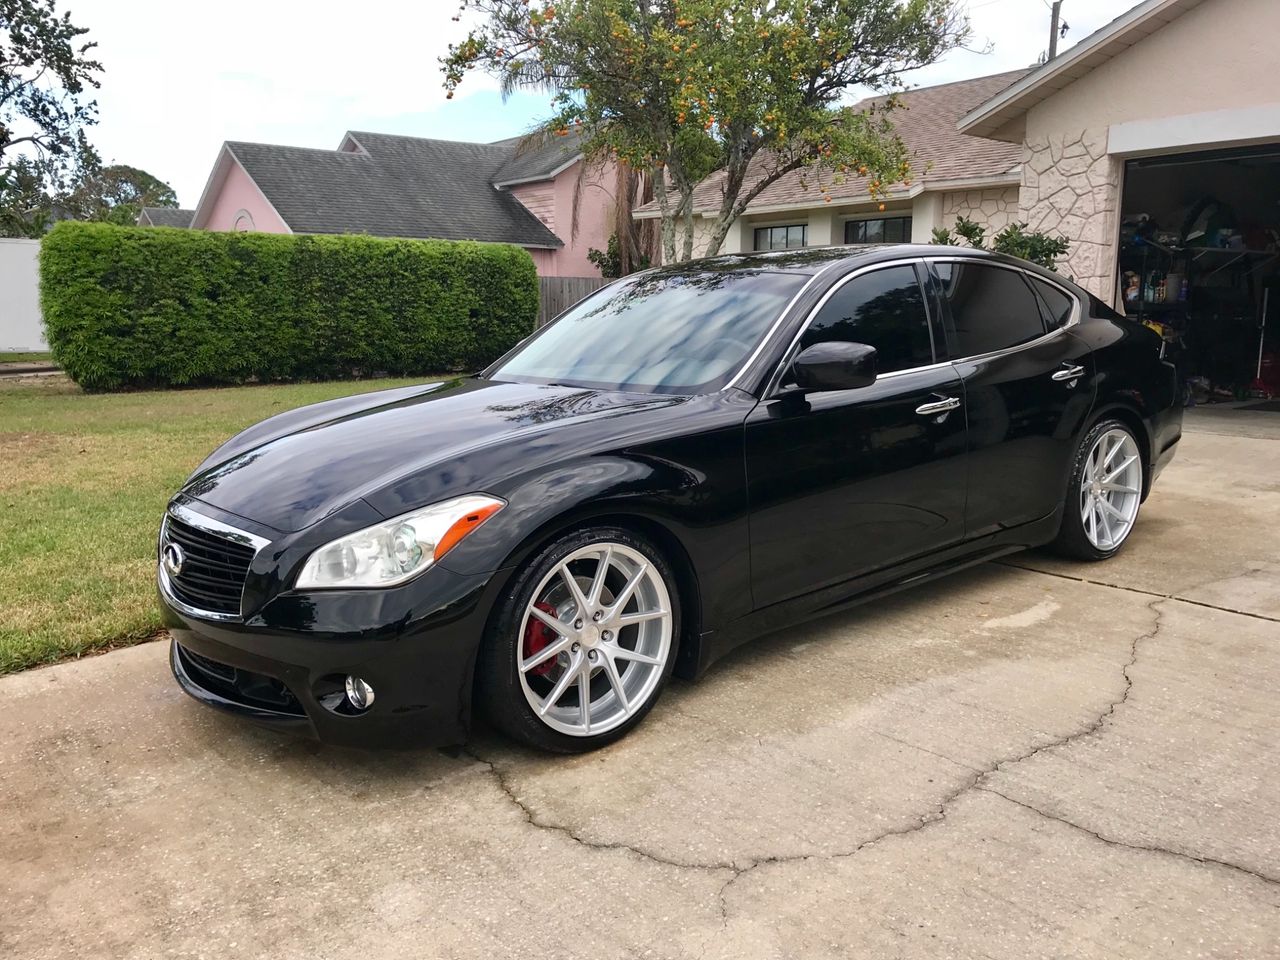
[882, 583]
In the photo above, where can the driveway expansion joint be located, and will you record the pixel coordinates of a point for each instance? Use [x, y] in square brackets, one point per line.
[1152, 593]
[1140, 847]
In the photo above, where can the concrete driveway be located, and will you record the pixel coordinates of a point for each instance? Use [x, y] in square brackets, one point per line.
[1030, 759]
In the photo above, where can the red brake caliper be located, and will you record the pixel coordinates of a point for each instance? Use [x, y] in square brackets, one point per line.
[537, 636]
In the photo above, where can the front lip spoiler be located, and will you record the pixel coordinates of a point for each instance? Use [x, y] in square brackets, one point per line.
[192, 689]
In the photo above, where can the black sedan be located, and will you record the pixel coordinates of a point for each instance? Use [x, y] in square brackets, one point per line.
[690, 457]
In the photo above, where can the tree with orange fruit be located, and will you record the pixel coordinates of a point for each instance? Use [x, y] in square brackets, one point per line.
[677, 89]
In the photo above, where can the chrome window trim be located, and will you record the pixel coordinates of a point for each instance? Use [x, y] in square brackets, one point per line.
[772, 385]
[208, 525]
[1004, 351]
[773, 327]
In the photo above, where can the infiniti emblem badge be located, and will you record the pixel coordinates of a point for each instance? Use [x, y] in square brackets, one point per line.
[173, 558]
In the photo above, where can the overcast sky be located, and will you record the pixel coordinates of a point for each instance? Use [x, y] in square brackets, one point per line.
[180, 78]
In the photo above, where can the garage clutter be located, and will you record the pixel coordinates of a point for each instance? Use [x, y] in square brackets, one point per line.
[1200, 264]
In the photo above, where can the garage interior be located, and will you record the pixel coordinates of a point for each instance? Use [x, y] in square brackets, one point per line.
[1200, 263]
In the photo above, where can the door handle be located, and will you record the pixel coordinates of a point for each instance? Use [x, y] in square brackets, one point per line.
[941, 406]
[1072, 372]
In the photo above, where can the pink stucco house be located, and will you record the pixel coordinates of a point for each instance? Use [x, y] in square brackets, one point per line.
[394, 186]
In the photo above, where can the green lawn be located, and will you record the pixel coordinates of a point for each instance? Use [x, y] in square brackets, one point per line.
[25, 357]
[84, 479]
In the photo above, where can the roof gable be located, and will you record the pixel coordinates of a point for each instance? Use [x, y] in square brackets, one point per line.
[993, 116]
[537, 158]
[392, 186]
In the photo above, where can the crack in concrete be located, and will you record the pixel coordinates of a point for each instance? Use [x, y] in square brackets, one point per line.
[975, 781]
[939, 813]
[1149, 848]
[532, 819]
[1150, 593]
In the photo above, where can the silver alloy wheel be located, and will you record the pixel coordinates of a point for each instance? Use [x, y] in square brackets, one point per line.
[601, 623]
[1111, 489]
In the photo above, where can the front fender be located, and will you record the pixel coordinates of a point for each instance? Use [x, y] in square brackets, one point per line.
[706, 518]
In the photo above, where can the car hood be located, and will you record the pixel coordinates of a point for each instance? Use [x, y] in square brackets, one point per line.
[293, 470]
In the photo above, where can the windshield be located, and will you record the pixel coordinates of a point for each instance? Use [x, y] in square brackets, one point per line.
[685, 332]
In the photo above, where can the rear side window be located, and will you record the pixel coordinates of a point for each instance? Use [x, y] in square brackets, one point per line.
[1058, 305]
[884, 308]
[992, 308]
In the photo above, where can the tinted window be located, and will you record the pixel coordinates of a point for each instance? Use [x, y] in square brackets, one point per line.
[684, 331]
[1057, 303]
[883, 230]
[885, 309]
[992, 307]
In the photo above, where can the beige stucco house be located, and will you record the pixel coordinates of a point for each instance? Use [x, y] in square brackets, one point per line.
[1153, 146]
[1167, 77]
[952, 175]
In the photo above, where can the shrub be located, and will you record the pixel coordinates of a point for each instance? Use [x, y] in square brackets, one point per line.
[134, 306]
[1014, 240]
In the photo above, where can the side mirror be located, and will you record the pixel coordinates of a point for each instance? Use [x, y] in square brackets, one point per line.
[834, 366]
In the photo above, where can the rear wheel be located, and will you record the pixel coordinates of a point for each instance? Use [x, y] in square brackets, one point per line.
[581, 648]
[1104, 494]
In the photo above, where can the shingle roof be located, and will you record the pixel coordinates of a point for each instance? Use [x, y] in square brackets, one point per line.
[534, 160]
[166, 216]
[926, 122]
[394, 187]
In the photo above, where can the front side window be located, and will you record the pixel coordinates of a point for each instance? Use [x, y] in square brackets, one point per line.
[681, 331]
[885, 309]
[880, 230]
[782, 238]
[992, 308]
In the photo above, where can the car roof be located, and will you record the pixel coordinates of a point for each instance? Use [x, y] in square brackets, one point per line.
[812, 260]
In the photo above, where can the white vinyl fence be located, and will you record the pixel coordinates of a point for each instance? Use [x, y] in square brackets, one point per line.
[20, 325]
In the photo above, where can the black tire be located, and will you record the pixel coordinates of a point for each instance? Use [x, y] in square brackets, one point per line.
[1073, 540]
[498, 689]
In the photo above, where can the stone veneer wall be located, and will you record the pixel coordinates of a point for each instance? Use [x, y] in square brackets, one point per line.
[1071, 186]
[993, 208]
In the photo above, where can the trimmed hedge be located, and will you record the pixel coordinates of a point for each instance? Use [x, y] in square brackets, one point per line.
[148, 307]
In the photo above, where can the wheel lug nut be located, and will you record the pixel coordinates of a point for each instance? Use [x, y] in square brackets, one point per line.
[606, 635]
[576, 648]
[577, 624]
[596, 616]
[591, 655]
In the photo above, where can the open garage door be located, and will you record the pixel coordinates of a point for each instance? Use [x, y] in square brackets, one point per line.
[1200, 262]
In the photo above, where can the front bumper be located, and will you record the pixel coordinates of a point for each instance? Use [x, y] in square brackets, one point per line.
[415, 645]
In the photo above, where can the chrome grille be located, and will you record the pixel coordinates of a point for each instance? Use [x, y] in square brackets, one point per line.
[213, 568]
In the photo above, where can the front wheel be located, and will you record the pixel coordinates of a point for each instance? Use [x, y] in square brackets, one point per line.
[1104, 494]
[585, 641]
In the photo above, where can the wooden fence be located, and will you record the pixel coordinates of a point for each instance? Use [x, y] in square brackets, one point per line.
[558, 294]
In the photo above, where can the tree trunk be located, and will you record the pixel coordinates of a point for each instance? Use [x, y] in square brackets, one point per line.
[668, 219]
[686, 209]
[718, 232]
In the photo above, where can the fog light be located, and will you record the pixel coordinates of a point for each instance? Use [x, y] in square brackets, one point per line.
[359, 693]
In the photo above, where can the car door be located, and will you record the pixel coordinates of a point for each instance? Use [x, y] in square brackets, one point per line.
[845, 482]
[1028, 387]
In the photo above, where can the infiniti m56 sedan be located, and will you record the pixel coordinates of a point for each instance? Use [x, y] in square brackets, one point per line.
[688, 458]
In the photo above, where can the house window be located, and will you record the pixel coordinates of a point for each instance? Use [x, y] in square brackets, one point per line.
[782, 238]
[883, 230]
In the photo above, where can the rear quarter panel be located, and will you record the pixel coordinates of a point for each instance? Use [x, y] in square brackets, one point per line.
[1132, 380]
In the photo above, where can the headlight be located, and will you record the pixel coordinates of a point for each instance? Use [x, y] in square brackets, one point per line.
[398, 550]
